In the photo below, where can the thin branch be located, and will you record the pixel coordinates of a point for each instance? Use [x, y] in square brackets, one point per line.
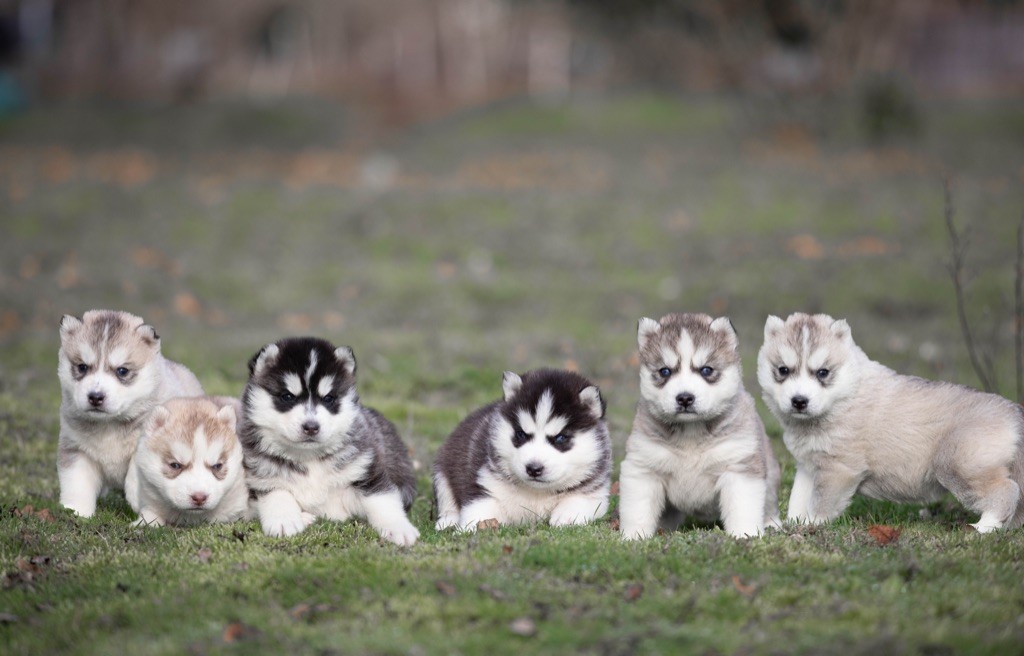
[1018, 310]
[958, 247]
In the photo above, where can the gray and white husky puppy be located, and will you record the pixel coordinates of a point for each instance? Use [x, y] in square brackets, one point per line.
[856, 426]
[542, 452]
[312, 450]
[698, 446]
[111, 375]
[188, 466]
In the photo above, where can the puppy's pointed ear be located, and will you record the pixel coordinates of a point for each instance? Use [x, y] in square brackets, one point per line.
[841, 329]
[724, 325]
[773, 326]
[510, 384]
[227, 416]
[159, 417]
[591, 398]
[347, 358]
[644, 329]
[68, 325]
[263, 357]
[148, 334]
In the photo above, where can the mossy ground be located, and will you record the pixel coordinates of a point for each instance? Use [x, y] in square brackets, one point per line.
[508, 239]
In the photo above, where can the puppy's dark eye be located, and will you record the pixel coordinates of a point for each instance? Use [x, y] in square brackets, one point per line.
[822, 373]
[217, 467]
[706, 371]
[122, 372]
[174, 465]
[664, 372]
[783, 371]
[519, 438]
[560, 439]
[82, 367]
[288, 397]
[329, 398]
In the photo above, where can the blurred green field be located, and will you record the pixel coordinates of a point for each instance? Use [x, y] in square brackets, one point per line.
[511, 237]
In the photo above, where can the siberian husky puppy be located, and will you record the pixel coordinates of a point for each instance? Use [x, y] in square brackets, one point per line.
[542, 452]
[697, 445]
[111, 377]
[856, 426]
[312, 450]
[188, 466]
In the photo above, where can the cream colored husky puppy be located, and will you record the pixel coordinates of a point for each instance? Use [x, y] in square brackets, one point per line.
[697, 446]
[111, 375]
[856, 426]
[188, 467]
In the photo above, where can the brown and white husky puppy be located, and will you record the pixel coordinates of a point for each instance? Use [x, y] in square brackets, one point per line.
[188, 466]
[111, 375]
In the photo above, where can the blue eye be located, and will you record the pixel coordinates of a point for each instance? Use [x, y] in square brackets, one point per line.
[706, 371]
[328, 399]
[122, 372]
[174, 465]
[561, 438]
[664, 372]
[217, 467]
[287, 397]
[822, 374]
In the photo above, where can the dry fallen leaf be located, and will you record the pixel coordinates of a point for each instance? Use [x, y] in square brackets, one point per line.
[445, 588]
[745, 589]
[523, 626]
[506, 548]
[300, 611]
[884, 535]
[238, 631]
[487, 525]
[634, 591]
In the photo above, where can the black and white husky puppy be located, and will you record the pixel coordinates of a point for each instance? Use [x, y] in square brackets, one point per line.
[542, 452]
[312, 450]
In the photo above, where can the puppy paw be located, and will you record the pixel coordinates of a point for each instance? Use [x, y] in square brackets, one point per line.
[146, 519]
[568, 518]
[81, 509]
[283, 527]
[404, 534]
[635, 534]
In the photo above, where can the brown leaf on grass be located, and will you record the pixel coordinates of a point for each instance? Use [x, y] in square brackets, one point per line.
[745, 589]
[487, 525]
[805, 247]
[204, 555]
[884, 535]
[506, 548]
[187, 305]
[615, 488]
[238, 631]
[633, 591]
[445, 588]
[493, 592]
[524, 627]
[300, 611]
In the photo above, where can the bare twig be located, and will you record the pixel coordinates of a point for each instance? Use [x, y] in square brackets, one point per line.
[1018, 309]
[958, 246]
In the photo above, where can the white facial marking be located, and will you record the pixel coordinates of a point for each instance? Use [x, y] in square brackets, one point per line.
[324, 388]
[310, 369]
[293, 383]
[117, 356]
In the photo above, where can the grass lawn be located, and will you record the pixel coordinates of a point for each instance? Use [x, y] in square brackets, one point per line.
[509, 238]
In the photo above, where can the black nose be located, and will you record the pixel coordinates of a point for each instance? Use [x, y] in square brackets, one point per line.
[685, 399]
[311, 428]
[800, 403]
[534, 470]
[96, 399]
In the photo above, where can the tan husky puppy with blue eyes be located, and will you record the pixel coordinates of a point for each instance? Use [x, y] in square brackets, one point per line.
[697, 446]
[858, 427]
